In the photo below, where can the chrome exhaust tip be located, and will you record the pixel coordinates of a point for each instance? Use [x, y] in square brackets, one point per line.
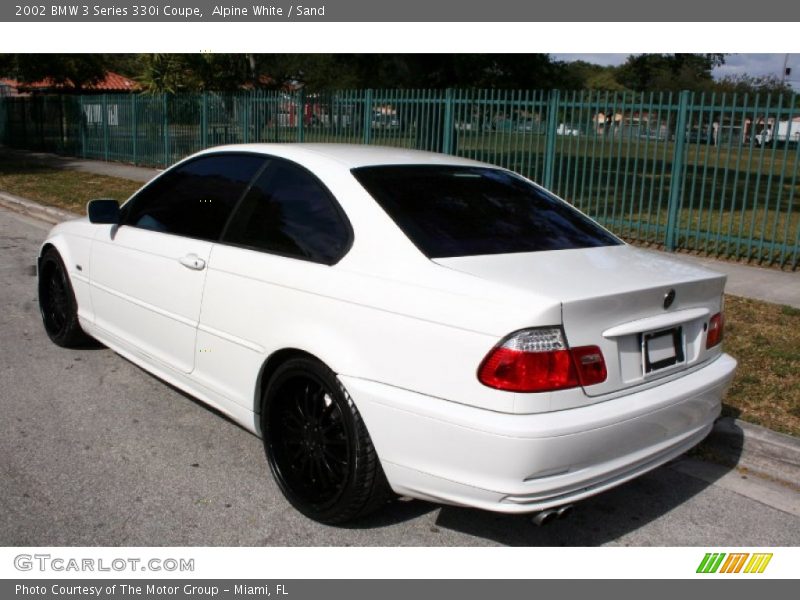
[551, 514]
[565, 511]
[544, 517]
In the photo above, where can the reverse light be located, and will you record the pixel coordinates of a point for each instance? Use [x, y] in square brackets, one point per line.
[716, 328]
[590, 364]
[539, 360]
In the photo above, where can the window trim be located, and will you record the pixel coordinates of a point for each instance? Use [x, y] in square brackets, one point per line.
[354, 172]
[268, 159]
[189, 161]
[348, 227]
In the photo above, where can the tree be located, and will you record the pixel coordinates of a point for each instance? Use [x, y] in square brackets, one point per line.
[504, 71]
[747, 84]
[223, 72]
[669, 72]
[172, 73]
[409, 71]
[313, 71]
[126, 65]
[582, 75]
[78, 69]
[166, 73]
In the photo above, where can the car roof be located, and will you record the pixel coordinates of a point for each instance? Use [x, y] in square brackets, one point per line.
[350, 156]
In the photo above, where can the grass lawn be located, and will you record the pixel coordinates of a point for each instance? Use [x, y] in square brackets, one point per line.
[70, 190]
[764, 338]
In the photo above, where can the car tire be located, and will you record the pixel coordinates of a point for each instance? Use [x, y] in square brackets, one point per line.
[57, 302]
[317, 446]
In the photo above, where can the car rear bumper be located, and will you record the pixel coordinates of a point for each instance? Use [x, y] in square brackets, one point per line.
[447, 452]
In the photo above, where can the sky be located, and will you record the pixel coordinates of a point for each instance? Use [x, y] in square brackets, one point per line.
[735, 64]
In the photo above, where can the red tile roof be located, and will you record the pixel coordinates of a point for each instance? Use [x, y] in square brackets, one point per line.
[8, 87]
[112, 82]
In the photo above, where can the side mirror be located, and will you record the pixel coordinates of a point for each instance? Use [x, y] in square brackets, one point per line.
[104, 211]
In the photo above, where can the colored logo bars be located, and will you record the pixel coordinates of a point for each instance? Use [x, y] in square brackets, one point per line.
[713, 562]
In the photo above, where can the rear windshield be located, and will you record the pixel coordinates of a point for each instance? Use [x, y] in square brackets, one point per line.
[465, 211]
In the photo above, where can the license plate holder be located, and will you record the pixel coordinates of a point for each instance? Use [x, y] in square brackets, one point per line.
[662, 349]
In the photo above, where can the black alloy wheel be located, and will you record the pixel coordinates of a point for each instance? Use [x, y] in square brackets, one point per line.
[317, 446]
[57, 302]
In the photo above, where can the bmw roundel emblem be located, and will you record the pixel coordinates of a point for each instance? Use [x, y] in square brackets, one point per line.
[669, 298]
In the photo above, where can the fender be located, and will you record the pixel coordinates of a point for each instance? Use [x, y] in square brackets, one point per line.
[73, 241]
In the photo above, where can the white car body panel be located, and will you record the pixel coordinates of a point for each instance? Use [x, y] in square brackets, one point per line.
[522, 463]
[610, 287]
[154, 301]
[376, 328]
[73, 239]
[406, 335]
[244, 417]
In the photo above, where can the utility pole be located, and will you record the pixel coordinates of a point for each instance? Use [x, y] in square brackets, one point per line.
[784, 73]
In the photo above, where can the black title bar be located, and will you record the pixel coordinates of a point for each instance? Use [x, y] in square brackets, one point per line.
[408, 11]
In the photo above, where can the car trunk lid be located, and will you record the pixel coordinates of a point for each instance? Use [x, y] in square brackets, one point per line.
[648, 313]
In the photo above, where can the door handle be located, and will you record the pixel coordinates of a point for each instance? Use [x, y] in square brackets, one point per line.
[192, 261]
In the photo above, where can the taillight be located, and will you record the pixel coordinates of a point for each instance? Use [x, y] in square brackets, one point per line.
[539, 360]
[716, 327]
[590, 364]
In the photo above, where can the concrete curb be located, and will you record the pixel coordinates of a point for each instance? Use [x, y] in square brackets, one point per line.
[758, 450]
[50, 214]
[750, 460]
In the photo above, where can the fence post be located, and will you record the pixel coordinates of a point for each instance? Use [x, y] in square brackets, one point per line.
[301, 115]
[40, 121]
[676, 180]
[134, 129]
[245, 103]
[367, 116]
[204, 120]
[165, 121]
[447, 123]
[62, 125]
[26, 109]
[83, 127]
[105, 128]
[550, 140]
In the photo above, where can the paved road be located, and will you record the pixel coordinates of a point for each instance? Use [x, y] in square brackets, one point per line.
[94, 451]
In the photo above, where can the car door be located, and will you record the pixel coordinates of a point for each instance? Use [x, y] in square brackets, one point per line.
[147, 273]
[265, 276]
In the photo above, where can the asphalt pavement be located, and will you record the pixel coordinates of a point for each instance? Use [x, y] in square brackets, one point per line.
[96, 452]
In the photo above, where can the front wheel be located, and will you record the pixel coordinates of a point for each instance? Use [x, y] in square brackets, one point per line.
[57, 302]
[317, 445]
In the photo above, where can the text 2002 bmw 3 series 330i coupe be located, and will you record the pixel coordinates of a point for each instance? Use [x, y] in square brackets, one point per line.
[398, 321]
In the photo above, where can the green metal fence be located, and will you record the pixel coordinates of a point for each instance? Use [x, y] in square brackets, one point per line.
[716, 174]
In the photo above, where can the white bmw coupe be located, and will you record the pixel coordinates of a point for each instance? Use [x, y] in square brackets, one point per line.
[398, 321]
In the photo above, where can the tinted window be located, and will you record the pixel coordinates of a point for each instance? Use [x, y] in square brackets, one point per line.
[287, 211]
[466, 211]
[194, 199]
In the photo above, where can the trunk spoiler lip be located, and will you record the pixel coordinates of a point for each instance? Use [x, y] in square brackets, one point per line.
[657, 322]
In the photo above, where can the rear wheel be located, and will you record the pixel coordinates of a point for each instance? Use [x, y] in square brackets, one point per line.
[57, 302]
[317, 446]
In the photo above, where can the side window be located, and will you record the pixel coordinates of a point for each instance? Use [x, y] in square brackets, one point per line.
[194, 199]
[288, 212]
